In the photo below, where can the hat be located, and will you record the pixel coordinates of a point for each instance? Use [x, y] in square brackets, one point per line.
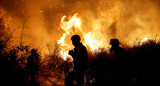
[114, 42]
[33, 51]
[75, 38]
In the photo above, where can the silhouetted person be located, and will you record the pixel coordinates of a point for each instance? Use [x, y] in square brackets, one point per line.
[32, 63]
[121, 62]
[80, 60]
[116, 49]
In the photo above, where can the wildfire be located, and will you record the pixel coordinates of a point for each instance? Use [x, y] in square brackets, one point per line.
[71, 27]
[90, 41]
[146, 39]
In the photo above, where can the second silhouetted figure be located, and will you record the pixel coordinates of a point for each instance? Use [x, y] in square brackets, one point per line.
[80, 59]
[121, 62]
[32, 63]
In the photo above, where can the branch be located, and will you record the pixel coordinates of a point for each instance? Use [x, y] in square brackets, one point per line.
[23, 30]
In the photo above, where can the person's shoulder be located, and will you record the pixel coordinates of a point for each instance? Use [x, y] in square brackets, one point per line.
[82, 46]
[122, 50]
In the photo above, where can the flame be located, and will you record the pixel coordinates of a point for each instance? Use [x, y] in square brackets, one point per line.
[90, 41]
[61, 41]
[146, 39]
[71, 27]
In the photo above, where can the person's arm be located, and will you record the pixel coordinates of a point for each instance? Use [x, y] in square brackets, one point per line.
[111, 49]
[72, 53]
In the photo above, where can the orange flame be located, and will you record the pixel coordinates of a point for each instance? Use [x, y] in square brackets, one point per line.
[90, 41]
[146, 39]
[71, 27]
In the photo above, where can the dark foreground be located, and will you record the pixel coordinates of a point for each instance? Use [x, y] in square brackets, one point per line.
[139, 68]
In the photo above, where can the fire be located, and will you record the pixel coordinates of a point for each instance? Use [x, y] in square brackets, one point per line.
[146, 39]
[90, 41]
[61, 41]
[71, 27]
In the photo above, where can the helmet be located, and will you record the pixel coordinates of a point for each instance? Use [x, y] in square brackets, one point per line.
[75, 38]
[114, 42]
[33, 51]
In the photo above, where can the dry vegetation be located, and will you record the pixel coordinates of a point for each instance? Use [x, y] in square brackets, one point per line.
[141, 65]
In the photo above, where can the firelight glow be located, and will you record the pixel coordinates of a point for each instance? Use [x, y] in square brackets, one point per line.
[72, 27]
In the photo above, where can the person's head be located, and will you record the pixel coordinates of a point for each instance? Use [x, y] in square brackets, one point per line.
[114, 42]
[33, 51]
[75, 40]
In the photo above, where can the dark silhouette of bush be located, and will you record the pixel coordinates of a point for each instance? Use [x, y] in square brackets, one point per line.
[12, 59]
[141, 66]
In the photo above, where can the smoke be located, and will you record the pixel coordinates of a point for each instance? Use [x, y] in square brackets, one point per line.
[105, 19]
[124, 19]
